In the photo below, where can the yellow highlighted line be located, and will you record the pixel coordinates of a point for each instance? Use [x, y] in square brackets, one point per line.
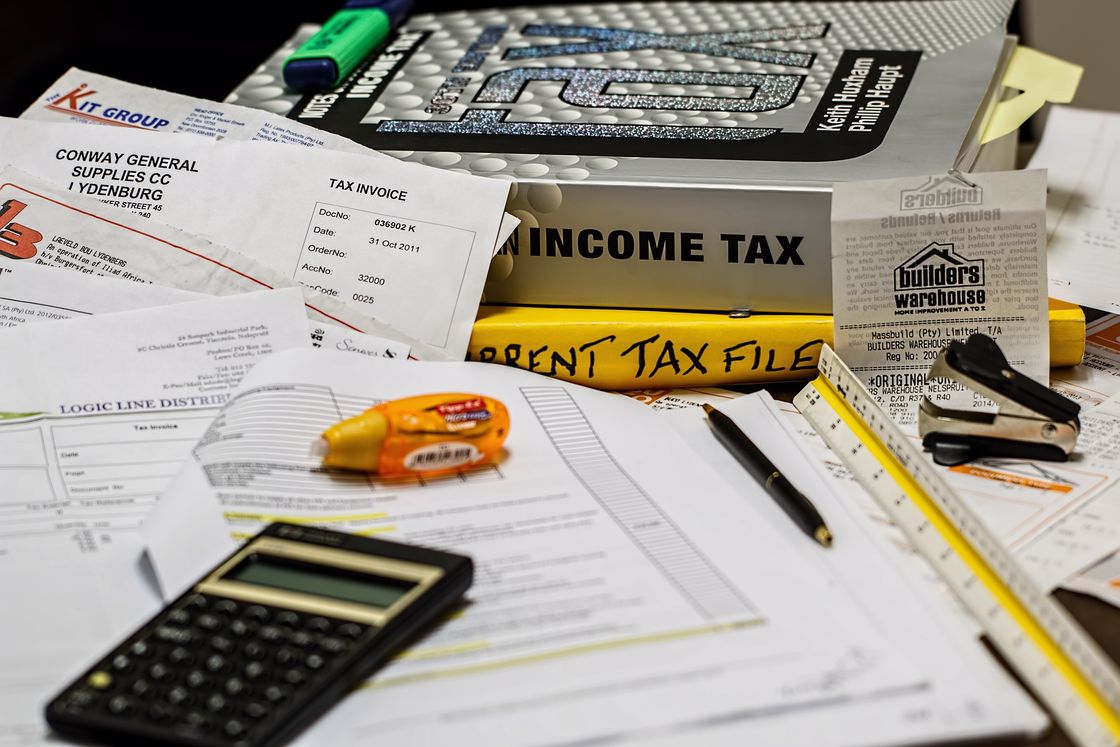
[432, 653]
[377, 530]
[245, 516]
[1050, 649]
[564, 652]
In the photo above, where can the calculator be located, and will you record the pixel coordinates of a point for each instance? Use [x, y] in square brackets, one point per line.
[267, 641]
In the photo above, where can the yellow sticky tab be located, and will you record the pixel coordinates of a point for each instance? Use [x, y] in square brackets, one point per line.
[1041, 78]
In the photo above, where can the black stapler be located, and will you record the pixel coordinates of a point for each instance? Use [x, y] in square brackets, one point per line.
[1032, 422]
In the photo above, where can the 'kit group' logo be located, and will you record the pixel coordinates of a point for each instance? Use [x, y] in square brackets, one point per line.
[79, 103]
[17, 241]
[938, 279]
[940, 192]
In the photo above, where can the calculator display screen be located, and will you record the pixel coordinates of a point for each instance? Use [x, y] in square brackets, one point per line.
[320, 580]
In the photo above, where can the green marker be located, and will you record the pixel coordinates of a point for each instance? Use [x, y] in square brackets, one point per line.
[347, 38]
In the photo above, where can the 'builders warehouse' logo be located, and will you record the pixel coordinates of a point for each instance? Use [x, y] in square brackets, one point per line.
[938, 279]
[940, 192]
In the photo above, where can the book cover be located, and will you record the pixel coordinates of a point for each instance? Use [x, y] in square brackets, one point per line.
[670, 155]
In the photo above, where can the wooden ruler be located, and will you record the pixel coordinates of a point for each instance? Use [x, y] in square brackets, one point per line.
[1051, 653]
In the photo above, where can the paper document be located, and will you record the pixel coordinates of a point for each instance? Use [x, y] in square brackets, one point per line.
[406, 244]
[125, 397]
[1097, 377]
[88, 98]
[62, 612]
[37, 293]
[40, 293]
[620, 586]
[45, 226]
[967, 696]
[1080, 150]
[920, 261]
[668, 400]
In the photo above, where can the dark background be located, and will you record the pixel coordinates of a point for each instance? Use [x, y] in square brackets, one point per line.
[202, 48]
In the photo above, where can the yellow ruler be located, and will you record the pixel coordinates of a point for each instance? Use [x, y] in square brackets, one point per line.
[1067, 671]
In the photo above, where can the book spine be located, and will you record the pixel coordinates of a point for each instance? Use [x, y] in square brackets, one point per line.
[657, 353]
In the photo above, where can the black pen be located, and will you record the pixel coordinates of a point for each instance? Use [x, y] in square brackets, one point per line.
[791, 500]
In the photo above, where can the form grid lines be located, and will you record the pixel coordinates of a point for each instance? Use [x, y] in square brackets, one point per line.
[655, 534]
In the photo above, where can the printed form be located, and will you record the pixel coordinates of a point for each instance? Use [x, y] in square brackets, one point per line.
[620, 587]
[406, 244]
[41, 293]
[82, 235]
[122, 398]
[1080, 150]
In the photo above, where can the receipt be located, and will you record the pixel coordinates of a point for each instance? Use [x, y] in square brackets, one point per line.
[920, 261]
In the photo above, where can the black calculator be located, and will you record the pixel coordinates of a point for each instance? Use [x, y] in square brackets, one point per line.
[263, 644]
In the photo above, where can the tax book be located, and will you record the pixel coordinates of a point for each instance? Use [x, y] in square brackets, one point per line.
[671, 155]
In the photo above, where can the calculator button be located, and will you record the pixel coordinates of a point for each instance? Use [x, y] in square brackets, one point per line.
[217, 703]
[257, 613]
[77, 700]
[235, 686]
[122, 663]
[234, 728]
[180, 656]
[275, 694]
[159, 672]
[254, 670]
[170, 634]
[255, 710]
[295, 676]
[196, 679]
[162, 713]
[288, 655]
[226, 607]
[288, 619]
[180, 617]
[319, 625]
[216, 663]
[240, 628]
[270, 633]
[140, 649]
[197, 720]
[221, 644]
[196, 602]
[333, 645]
[121, 705]
[350, 630]
[142, 688]
[178, 696]
[208, 622]
[100, 680]
[314, 662]
[301, 639]
[254, 650]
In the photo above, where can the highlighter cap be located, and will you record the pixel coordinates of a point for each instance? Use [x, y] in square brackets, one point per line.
[346, 39]
[397, 10]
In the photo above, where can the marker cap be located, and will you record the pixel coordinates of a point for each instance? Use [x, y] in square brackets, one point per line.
[397, 9]
[335, 50]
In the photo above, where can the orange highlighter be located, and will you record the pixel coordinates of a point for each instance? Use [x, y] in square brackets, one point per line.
[428, 434]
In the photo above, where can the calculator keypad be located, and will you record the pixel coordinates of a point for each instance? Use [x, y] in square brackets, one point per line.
[217, 669]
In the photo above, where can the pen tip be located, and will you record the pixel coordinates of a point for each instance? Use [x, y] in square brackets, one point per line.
[823, 536]
[708, 408]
